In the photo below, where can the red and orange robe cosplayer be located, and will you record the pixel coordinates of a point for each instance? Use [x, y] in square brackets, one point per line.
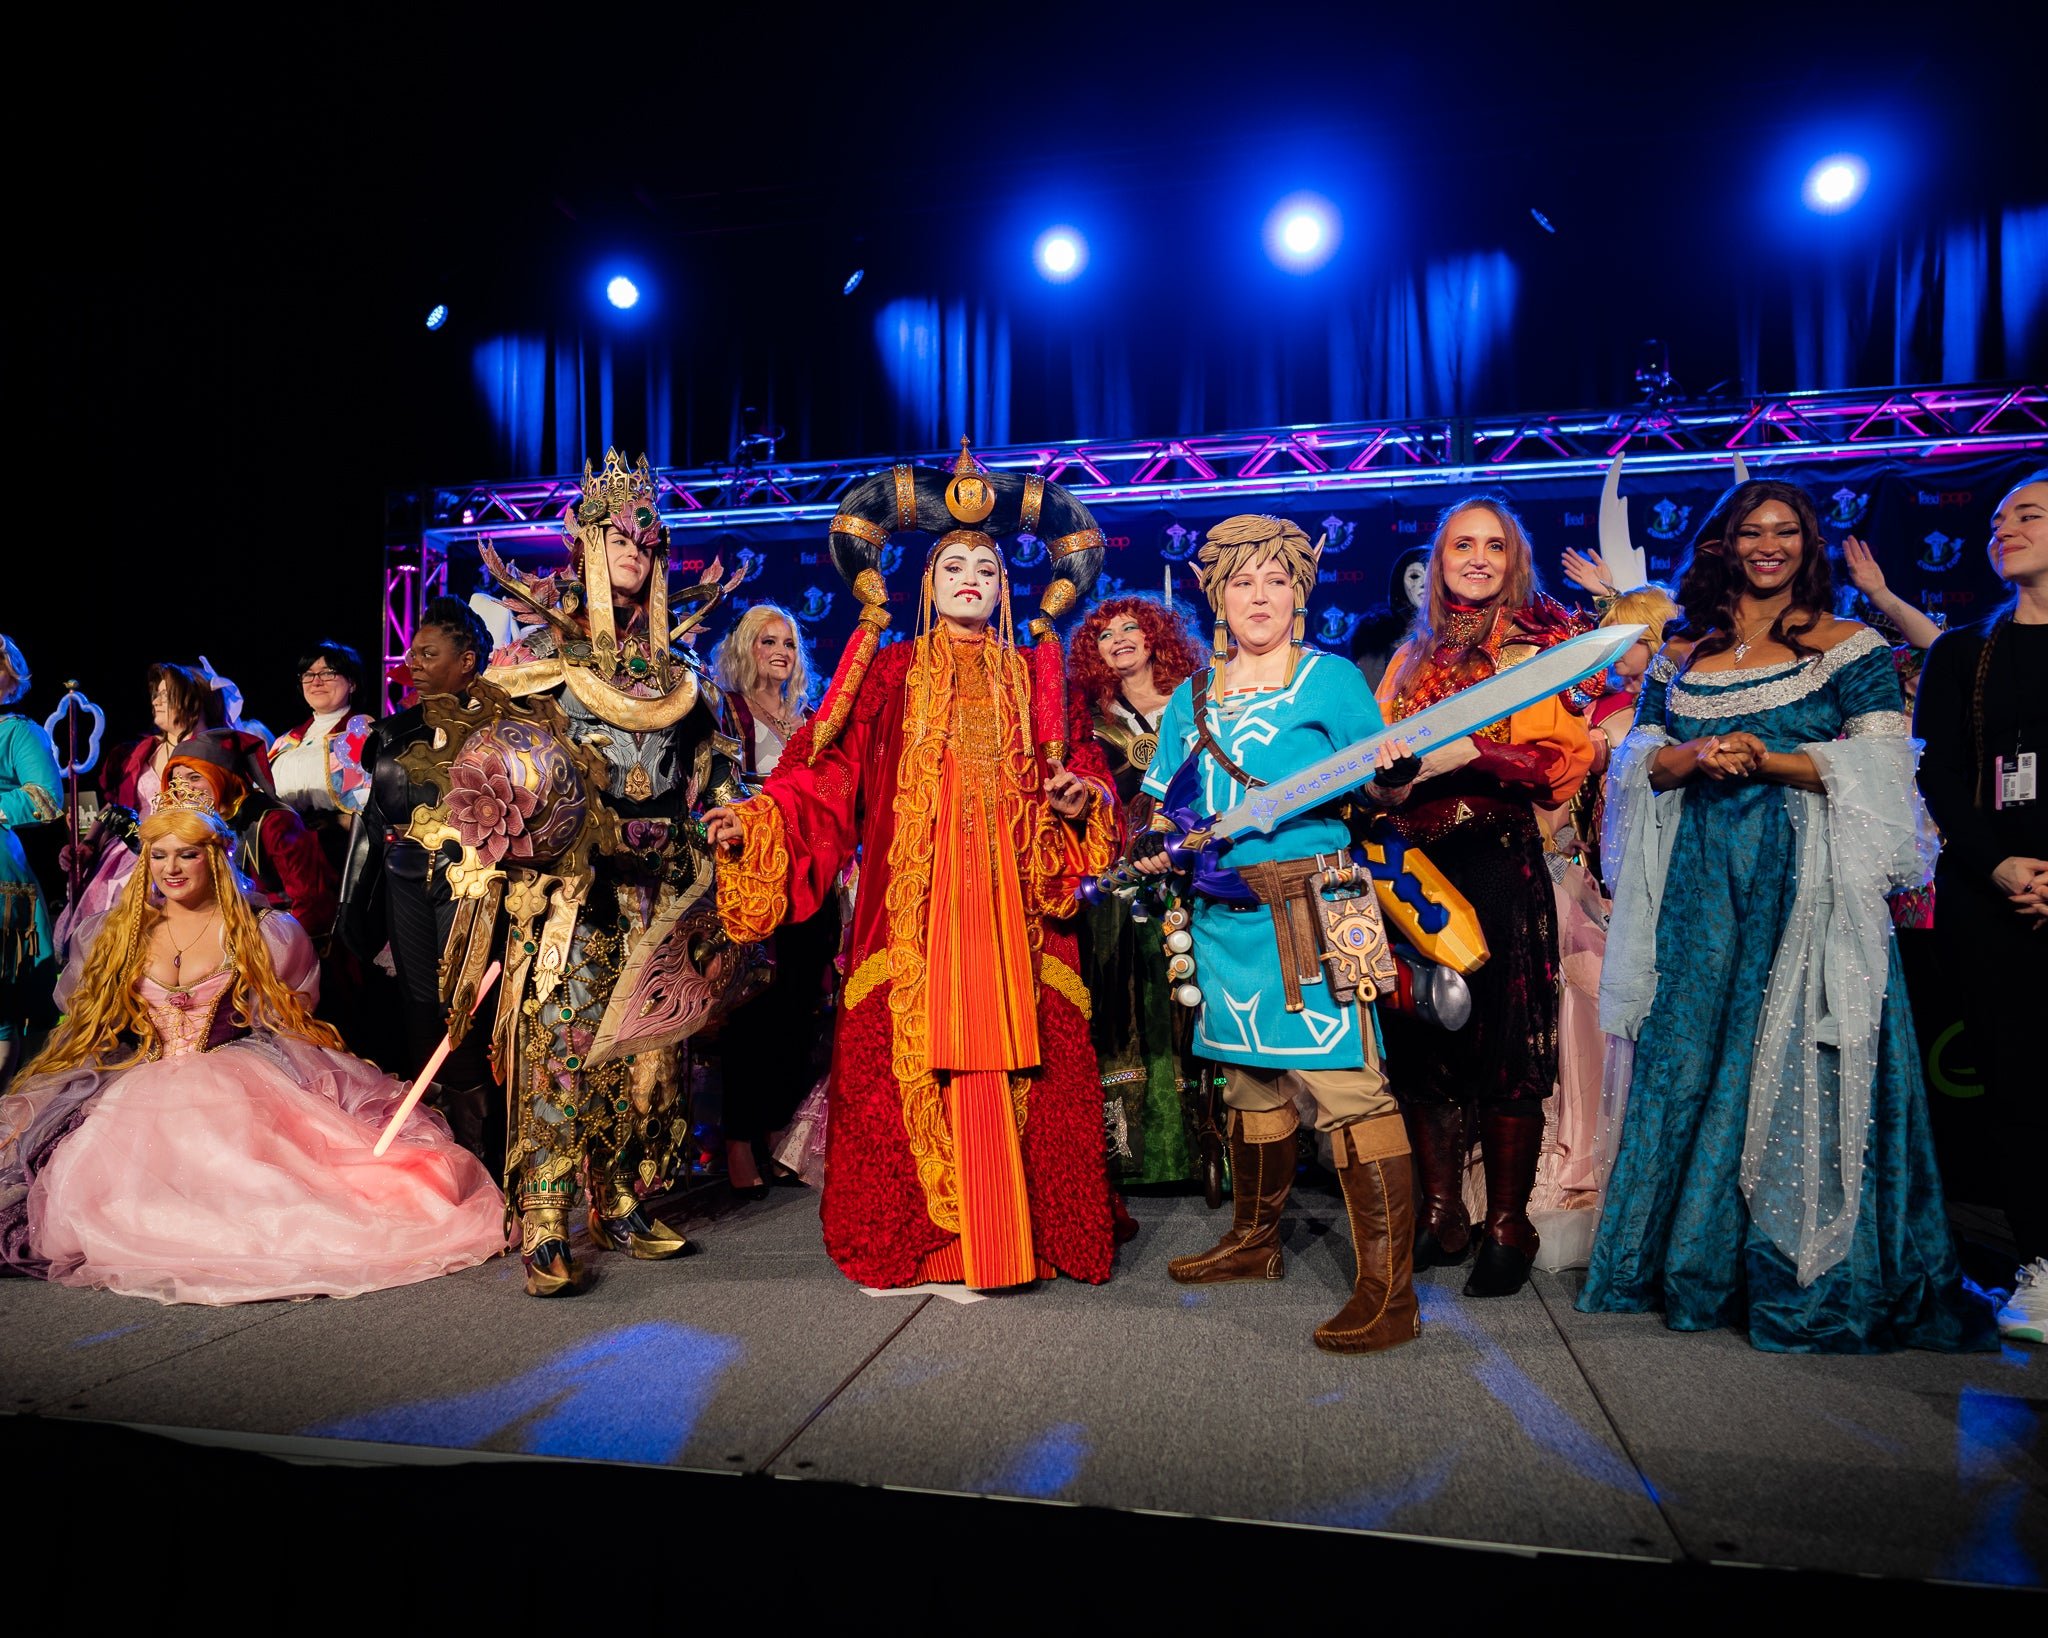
[966, 1134]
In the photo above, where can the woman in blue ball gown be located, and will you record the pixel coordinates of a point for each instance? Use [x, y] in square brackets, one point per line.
[1775, 1171]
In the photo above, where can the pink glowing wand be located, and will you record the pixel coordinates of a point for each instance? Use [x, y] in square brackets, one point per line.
[434, 1064]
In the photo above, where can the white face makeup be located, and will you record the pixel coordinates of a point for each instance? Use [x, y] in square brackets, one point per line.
[1415, 582]
[967, 583]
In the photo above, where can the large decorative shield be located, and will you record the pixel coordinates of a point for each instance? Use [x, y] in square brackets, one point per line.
[515, 793]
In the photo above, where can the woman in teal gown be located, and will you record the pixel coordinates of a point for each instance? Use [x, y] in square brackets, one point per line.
[1775, 1170]
[29, 787]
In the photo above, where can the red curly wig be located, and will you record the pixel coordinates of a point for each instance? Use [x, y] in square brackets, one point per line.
[1175, 653]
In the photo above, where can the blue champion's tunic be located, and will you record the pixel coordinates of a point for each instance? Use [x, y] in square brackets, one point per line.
[1270, 734]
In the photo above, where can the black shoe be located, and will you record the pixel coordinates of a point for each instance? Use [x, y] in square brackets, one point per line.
[1500, 1272]
[1430, 1253]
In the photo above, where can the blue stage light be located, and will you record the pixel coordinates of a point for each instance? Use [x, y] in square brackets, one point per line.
[1302, 232]
[622, 292]
[437, 315]
[1061, 253]
[853, 281]
[1835, 184]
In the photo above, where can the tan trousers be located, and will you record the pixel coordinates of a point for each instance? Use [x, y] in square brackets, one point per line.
[1343, 1096]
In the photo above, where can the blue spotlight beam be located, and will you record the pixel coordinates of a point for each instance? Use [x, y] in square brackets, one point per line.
[1302, 232]
[1060, 254]
[1835, 184]
[622, 292]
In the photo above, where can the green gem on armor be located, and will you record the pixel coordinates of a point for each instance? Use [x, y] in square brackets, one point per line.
[568, 1015]
[622, 1106]
[568, 1111]
[530, 946]
[573, 1061]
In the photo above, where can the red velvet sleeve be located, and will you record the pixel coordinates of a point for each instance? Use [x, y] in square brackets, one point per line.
[820, 806]
[305, 880]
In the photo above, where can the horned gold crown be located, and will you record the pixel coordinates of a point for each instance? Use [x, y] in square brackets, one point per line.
[618, 488]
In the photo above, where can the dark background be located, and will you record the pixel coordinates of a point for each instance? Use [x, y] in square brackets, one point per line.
[227, 236]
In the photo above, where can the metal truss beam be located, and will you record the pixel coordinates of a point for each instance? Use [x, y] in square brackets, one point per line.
[1768, 428]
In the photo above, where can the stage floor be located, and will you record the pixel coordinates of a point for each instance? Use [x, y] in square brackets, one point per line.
[1519, 1422]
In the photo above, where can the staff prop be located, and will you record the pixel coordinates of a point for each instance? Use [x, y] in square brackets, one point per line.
[68, 711]
[434, 1064]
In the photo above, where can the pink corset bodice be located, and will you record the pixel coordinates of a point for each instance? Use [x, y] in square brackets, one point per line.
[184, 1019]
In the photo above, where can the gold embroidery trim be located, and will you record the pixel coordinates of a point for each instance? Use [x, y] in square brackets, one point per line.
[1055, 974]
[753, 890]
[866, 979]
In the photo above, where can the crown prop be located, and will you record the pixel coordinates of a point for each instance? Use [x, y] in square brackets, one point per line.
[618, 491]
[185, 787]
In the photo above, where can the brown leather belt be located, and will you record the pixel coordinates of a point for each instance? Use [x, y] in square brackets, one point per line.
[1305, 923]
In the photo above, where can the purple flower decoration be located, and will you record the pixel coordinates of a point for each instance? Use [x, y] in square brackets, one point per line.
[490, 812]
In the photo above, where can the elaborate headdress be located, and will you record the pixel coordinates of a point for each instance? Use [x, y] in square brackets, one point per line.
[1253, 537]
[967, 503]
[623, 497]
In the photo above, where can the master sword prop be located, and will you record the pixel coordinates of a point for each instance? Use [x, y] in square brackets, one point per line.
[1466, 712]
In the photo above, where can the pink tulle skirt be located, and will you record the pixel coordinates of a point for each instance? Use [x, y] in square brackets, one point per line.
[246, 1173]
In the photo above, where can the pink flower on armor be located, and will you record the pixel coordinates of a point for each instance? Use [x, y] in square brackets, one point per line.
[489, 812]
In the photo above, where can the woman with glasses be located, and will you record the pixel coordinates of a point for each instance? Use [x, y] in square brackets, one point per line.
[318, 766]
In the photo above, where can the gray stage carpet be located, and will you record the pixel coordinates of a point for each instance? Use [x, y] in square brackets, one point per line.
[1519, 1422]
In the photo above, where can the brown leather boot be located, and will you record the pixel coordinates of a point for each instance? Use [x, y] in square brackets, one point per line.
[1511, 1142]
[1379, 1198]
[1261, 1174]
[1443, 1231]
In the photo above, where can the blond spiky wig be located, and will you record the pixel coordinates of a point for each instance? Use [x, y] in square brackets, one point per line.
[1251, 537]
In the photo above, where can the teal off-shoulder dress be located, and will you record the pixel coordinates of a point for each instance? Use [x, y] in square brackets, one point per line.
[1774, 1171]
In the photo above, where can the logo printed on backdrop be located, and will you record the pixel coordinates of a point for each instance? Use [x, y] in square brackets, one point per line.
[1336, 628]
[1337, 535]
[1668, 519]
[1407, 526]
[1181, 544]
[1027, 552]
[817, 603]
[1942, 552]
[1848, 508]
[892, 557]
[1575, 520]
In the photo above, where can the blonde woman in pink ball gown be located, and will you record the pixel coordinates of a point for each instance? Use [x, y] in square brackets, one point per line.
[193, 1134]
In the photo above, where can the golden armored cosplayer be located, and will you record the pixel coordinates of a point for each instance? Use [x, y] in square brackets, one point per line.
[580, 860]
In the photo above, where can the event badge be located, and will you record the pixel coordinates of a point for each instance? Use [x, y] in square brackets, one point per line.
[2015, 780]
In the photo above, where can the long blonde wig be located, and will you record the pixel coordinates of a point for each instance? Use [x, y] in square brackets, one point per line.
[739, 672]
[106, 1007]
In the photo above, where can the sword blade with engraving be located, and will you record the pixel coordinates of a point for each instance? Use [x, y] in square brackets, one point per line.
[1466, 712]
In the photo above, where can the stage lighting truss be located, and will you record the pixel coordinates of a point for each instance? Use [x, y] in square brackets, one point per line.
[1851, 424]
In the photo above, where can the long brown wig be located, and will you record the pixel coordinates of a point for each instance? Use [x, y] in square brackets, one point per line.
[1520, 586]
